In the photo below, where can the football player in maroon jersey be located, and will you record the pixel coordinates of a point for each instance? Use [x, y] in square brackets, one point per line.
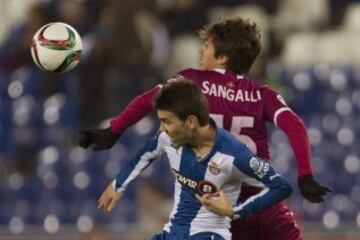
[242, 106]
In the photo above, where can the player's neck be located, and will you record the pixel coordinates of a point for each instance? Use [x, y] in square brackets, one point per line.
[203, 140]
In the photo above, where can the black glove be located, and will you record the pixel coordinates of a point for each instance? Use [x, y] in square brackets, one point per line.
[100, 138]
[312, 190]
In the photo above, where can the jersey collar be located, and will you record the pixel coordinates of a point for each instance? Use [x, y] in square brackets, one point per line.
[223, 71]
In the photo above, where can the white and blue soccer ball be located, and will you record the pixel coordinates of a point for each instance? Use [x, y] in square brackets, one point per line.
[56, 47]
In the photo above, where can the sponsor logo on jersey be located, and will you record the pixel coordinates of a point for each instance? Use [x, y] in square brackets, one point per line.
[200, 187]
[214, 168]
[205, 187]
[226, 92]
[185, 180]
[259, 166]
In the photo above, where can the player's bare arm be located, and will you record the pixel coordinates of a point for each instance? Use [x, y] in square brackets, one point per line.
[109, 198]
[218, 203]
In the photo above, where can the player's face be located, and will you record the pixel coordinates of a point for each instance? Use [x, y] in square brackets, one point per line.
[208, 60]
[177, 130]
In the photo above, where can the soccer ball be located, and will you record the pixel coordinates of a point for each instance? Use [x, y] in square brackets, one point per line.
[56, 47]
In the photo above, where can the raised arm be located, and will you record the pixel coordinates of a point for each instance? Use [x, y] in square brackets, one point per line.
[100, 139]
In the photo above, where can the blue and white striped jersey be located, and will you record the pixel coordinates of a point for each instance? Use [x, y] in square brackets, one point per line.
[227, 166]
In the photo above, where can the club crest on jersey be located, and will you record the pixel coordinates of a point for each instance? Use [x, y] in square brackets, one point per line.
[214, 168]
[259, 166]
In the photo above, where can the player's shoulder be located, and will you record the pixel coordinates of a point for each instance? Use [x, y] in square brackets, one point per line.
[257, 84]
[188, 73]
[229, 144]
[199, 74]
[265, 89]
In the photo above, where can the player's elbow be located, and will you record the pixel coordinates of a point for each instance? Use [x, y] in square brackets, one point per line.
[286, 188]
[289, 122]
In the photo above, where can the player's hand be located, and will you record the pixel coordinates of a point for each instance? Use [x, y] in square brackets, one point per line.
[312, 190]
[109, 198]
[98, 139]
[218, 203]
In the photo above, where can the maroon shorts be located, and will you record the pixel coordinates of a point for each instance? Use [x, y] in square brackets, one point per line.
[276, 223]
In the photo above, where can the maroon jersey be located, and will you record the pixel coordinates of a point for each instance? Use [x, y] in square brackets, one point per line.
[240, 105]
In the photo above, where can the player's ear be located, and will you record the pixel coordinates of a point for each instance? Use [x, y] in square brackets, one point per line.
[191, 121]
[222, 60]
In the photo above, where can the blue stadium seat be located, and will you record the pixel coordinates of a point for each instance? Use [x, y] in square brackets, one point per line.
[316, 90]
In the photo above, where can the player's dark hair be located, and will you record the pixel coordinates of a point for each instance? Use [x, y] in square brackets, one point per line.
[238, 39]
[183, 98]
